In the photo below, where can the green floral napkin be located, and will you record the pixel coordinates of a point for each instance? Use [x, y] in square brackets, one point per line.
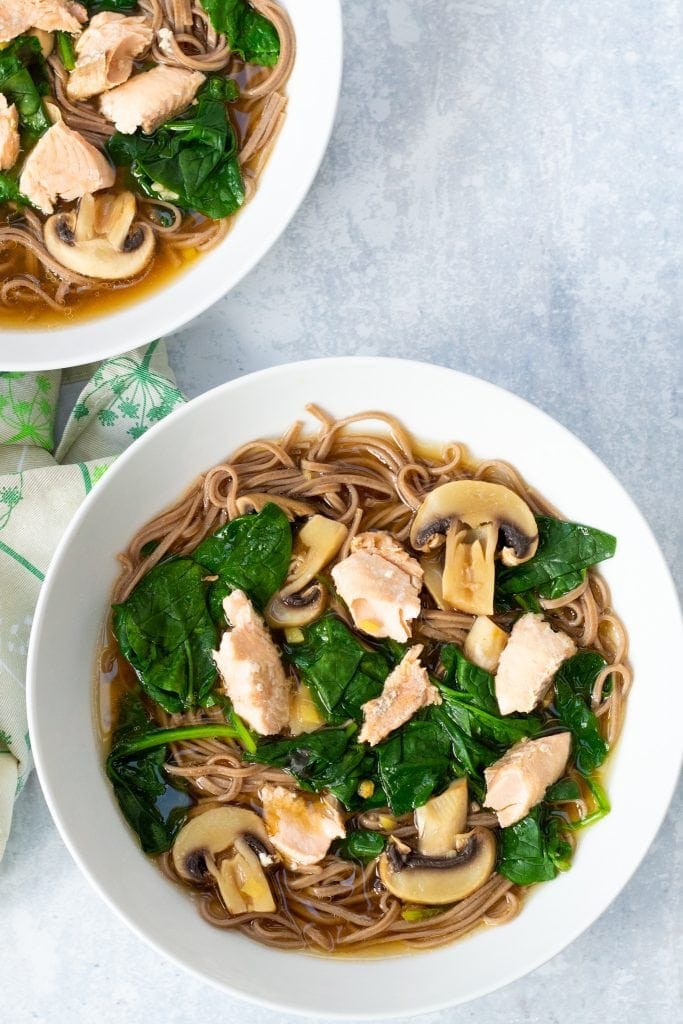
[41, 486]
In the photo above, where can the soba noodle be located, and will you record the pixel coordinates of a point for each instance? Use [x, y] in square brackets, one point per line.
[31, 277]
[365, 480]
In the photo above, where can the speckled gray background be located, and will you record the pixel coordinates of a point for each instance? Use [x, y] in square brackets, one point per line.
[503, 195]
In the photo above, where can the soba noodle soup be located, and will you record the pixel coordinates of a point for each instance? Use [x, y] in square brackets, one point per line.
[129, 140]
[357, 692]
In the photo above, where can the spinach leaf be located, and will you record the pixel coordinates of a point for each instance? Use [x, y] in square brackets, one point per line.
[492, 729]
[341, 674]
[164, 630]
[460, 674]
[413, 763]
[250, 553]
[533, 850]
[563, 791]
[194, 157]
[565, 550]
[250, 35]
[573, 685]
[153, 805]
[9, 190]
[362, 845]
[328, 759]
[23, 80]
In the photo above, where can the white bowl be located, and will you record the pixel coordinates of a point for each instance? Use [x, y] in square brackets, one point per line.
[436, 404]
[313, 92]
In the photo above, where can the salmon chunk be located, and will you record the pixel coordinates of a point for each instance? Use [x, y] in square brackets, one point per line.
[380, 583]
[517, 782]
[250, 666]
[406, 690]
[529, 661]
[105, 52]
[63, 163]
[9, 135]
[300, 826]
[149, 99]
[19, 16]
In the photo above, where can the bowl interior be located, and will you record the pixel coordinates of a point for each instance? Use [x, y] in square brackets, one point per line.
[313, 91]
[436, 404]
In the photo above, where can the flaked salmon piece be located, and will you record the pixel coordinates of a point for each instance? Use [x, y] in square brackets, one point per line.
[106, 52]
[300, 826]
[406, 690]
[380, 583]
[149, 99]
[517, 782]
[63, 163]
[9, 135]
[250, 666]
[19, 16]
[528, 662]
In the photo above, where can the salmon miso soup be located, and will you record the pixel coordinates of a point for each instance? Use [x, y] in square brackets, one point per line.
[131, 134]
[356, 692]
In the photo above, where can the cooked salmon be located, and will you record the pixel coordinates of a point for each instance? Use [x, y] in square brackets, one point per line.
[250, 666]
[406, 690]
[300, 826]
[105, 53]
[19, 16]
[9, 134]
[380, 583]
[63, 163]
[528, 662]
[149, 99]
[517, 782]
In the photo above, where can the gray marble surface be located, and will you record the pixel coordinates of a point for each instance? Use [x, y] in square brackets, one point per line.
[502, 195]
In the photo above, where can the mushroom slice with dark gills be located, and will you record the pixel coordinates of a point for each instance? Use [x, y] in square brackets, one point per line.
[102, 240]
[470, 516]
[303, 599]
[438, 880]
[229, 846]
[442, 819]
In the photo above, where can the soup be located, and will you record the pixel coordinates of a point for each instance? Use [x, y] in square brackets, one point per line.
[356, 693]
[130, 138]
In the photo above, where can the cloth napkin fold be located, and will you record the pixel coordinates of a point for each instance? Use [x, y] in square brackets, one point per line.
[41, 486]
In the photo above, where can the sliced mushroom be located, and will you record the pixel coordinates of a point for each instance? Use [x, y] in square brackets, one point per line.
[485, 643]
[240, 836]
[471, 515]
[442, 819]
[301, 600]
[415, 878]
[102, 240]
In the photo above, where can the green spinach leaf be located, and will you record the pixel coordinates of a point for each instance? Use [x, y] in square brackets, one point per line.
[166, 633]
[250, 553]
[460, 674]
[193, 157]
[23, 81]
[341, 674]
[251, 36]
[413, 763]
[533, 850]
[362, 845]
[573, 685]
[565, 550]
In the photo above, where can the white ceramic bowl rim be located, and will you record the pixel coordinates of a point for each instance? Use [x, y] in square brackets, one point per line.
[313, 92]
[436, 404]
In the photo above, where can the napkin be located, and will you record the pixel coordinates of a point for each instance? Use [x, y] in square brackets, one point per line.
[41, 486]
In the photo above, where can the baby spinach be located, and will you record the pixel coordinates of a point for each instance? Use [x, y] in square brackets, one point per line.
[152, 805]
[251, 36]
[565, 551]
[166, 633]
[413, 763]
[328, 759]
[250, 553]
[194, 157]
[23, 81]
[362, 845]
[563, 792]
[574, 682]
[9, 190]
[534, 849]
[341, 674]
[460, 674]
